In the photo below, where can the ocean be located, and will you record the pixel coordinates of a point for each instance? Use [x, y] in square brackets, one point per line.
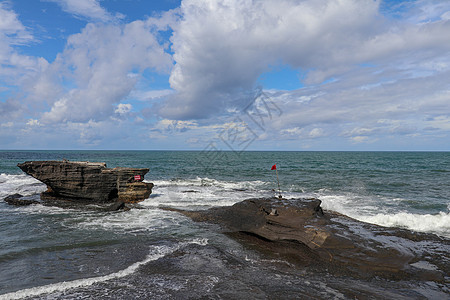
[49, 252]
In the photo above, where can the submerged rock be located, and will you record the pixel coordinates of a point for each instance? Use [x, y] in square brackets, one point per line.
[89, 181]
[119, 205]
[299, 230]
[17, 200]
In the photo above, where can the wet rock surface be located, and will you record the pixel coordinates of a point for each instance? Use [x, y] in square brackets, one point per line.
[298, 231]
[19, 200]
[89, 181]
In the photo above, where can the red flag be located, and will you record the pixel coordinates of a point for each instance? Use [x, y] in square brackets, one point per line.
[274, 167]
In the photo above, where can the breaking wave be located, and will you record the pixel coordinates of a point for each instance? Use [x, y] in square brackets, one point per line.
[438, 224]
[368, 210]
[19, 184]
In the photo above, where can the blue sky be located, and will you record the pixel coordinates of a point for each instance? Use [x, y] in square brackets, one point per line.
[225, 75]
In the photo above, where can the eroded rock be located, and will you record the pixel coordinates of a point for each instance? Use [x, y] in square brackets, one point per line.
[298, 229]
[89, 181]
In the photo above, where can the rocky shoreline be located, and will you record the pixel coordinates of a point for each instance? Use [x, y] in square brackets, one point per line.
[299, 231]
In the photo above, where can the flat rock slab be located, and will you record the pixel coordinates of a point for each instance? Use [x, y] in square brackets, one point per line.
[89, 181]
[300, 231]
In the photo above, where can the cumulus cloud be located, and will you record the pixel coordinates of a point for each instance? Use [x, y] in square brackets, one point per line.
[13, 65]
[33, 122]
[222, 47]
[123, 108]
[367, 72]
[172, 126]
[98, 61]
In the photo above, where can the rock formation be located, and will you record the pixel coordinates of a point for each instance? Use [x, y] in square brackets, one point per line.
[88, 181]
[298, 230]
[17, 200]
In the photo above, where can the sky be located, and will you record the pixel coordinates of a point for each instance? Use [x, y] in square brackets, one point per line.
[230, 75]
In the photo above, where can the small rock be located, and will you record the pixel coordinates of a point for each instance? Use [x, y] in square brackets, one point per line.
[17, 201]
[117, 206]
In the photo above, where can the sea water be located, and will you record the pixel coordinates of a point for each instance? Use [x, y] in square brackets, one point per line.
[52, 252]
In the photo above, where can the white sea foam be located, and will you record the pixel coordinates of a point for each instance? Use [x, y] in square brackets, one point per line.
[20, 184]
[439, 223]
[208, 182]
[367, 210]
[197, 193]
[133, 221]
[156, 253]
[425, 265]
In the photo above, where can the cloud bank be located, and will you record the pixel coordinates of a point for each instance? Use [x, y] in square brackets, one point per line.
[222, 47]
[369, 73]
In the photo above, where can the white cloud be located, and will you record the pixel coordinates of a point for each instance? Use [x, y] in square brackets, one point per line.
[143, 95]
[386, 78]
[11, 28]
[423, 11]
[172, 126]
[32, 122]
[296, 132]
[87, 9]
[222, 47]
[360, 139]
[407, 107]
[123, 108]
[316, 132]
[13, 65]
[98, 61]
[446, 16]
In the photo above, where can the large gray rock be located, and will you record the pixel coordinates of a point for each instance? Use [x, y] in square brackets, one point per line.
[88, 181]
[300, 231]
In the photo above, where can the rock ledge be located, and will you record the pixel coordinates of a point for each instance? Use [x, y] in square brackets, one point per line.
[89, 181]
[299, 230]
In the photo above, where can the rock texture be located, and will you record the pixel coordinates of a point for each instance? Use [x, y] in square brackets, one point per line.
[88, 181]
[299, 230]
[17, 200]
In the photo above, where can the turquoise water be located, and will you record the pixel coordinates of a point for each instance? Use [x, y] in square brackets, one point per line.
[414, 182]
[53, 250]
